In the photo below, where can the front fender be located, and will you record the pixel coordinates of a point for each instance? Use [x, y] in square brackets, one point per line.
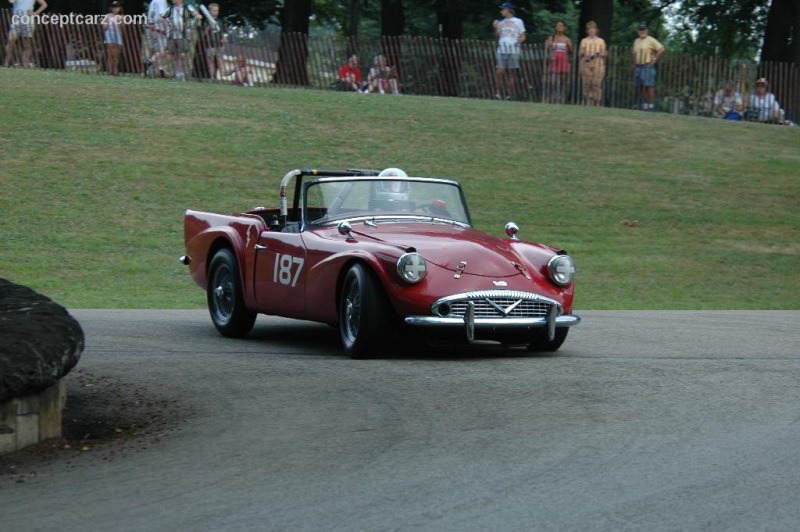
[324, 278]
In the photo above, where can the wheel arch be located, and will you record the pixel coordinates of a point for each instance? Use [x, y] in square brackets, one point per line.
[340, 279]
[221, 242]
[224, 242]
[370, 263]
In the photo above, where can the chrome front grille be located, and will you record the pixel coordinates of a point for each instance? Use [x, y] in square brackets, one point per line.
[496, 304]
[497, 308]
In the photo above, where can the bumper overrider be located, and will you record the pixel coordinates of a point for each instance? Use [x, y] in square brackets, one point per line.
[495, 311]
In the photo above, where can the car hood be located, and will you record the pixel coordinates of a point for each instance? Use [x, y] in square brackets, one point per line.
[449, 246]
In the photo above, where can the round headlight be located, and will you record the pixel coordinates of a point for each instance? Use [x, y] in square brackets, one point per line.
[412, 267]
[561, 269]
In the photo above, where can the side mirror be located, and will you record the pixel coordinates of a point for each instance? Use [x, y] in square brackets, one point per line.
[344, 229]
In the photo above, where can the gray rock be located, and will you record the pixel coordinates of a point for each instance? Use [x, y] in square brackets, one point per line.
[39, 341]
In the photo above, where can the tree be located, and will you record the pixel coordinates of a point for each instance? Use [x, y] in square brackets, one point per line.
[628, 14]
[393, 23]
[393, 19]
[782, 33]
[731, 29]
[601, 12]
[450, 15]
[293, 52]
[352, 27]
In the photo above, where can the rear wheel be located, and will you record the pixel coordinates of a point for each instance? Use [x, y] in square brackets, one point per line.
[225, 299]
[541, 343]
[363, 313]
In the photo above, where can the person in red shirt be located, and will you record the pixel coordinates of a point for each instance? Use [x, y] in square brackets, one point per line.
[350, 75]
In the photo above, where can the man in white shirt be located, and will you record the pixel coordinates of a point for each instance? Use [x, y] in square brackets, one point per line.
[22, 27]
[510, 33]
[728, 102]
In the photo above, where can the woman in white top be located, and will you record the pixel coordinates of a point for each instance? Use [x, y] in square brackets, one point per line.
[112, 37]
[559, 48]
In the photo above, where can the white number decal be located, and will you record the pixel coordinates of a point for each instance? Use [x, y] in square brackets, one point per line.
[282, 272]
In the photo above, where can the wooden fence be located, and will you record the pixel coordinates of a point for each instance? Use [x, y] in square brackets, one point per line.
[426, 66]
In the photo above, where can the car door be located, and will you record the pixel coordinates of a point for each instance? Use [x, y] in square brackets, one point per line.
[280, 273]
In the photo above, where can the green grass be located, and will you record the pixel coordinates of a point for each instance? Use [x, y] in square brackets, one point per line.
[659, 211]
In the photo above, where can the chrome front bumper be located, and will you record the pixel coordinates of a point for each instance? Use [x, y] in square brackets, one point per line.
[495, 311]
[436, 321]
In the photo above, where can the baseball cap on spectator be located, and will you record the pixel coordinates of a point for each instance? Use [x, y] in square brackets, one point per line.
[762, 81]
[643, 25]
[507, 5]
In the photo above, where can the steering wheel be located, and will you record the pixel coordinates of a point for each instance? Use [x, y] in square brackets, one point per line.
[435, 207]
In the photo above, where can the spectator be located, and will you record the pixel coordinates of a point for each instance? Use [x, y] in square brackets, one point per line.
[559, 48]
[213, 40]
[112, 37]
[22, 27]
[179, 35]
[155, 39]
[350, 76]
[763, 106]
[646, 52]
[728, 102]
[240, 73]
[382, 77]
[510, 33]
[592, 52]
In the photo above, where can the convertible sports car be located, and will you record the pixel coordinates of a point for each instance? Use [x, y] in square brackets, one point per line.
[376, 254]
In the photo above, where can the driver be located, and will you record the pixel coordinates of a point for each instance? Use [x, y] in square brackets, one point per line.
[393, 195]
[393, 190]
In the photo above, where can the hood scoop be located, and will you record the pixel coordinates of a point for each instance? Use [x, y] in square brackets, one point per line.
[522, 269]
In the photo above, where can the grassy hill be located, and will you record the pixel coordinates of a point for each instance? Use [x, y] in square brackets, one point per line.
[660, 211]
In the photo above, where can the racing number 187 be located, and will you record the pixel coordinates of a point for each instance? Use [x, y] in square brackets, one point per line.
[283, 269]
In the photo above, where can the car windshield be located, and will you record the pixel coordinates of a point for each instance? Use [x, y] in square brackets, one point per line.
[326, 200]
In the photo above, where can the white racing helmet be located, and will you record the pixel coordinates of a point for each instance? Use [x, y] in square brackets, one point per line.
[393, 190]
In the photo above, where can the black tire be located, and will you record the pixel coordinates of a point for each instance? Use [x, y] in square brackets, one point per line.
[225, 299]
[363, 313]
[540, 343]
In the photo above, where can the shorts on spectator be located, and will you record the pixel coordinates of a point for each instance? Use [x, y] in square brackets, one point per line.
[178, 46]
[211, 52]
[21, 30]
[645, 75]
[156, 41]
[507, 60]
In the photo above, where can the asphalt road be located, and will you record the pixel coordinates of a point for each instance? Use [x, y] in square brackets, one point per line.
[643, 421]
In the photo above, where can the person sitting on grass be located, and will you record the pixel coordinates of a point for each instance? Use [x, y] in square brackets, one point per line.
[728, 103]
[240, 73]
[350, 76]
[382, 77]
[763, 105]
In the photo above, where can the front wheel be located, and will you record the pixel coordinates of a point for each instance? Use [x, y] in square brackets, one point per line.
[541, 343]
[225, 299]
[362, 313]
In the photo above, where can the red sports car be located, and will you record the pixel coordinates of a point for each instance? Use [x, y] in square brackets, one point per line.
[378, 253]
